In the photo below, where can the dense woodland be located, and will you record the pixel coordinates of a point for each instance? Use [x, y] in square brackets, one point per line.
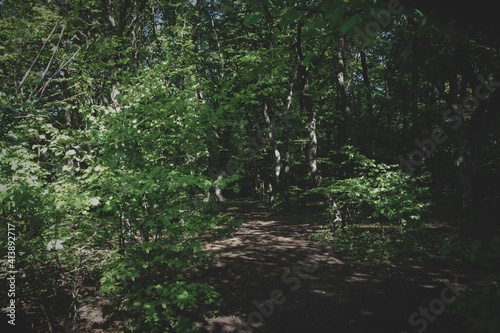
[129, 127]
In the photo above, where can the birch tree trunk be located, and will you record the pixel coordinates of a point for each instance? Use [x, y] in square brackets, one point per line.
[306, 105]
[274, 148]
[366, 81]
[286, 164]
[343, 96]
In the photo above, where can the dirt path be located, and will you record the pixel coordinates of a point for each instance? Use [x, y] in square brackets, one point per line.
[275, 278]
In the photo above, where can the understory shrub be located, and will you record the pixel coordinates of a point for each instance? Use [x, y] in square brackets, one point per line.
[365, 191]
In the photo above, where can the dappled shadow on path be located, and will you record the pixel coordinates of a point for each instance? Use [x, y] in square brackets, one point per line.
[322, 290]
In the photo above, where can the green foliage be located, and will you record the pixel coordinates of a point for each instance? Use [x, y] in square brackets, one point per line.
[149, 201]
[115, 133]
[251, 19]
[482, 306]
[375, 244]
[125, 180]
[153, 296]
[53, 234]
[379, 192]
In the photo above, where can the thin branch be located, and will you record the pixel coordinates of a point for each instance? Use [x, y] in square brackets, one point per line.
[48, 65]
[78, 269]
[32, 116]
[319, 36]
[46, 317]
[207, 10]
[321, 11]
[311, 10]
[64, 100]
[54, 53]
[60, 92]
[58, 70]
[37, 56]
[352, 74]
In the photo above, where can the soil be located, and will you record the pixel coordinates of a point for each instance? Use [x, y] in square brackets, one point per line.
[274, 277]
[316, 288]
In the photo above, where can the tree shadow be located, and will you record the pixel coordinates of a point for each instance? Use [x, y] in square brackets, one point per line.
[322, 289]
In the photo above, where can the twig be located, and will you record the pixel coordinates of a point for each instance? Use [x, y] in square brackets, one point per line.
[57, 93]
[48, 65]
[78, 269]
[58, 70]
[33, 93]
[46, 317]
[319, 36]
[32, 116]
[310, 9]
[37, 56]
[352, 74]
[54, 53]
[65, 99]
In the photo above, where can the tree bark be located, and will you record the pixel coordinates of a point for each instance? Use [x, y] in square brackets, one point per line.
[69, 161]
[366, 81]
[415, 119]
[306, 105]
[471, 138]
[274, 148]
[286, 171]
[343, 96]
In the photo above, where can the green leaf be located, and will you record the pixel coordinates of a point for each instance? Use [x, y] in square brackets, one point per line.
[251, 19]
[407, 51]
[419, 13]
[307, 60]
[350, 23]
[291, 14]
[270, 3]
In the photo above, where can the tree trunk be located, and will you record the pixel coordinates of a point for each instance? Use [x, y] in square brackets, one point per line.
[274, 148]
[415, 119]
[366, 82]
[224, 136]
[286, 171]
[218, 191]
[306, 105]
[471, 138]
[69, 161]
[343, 96]
[369, 102]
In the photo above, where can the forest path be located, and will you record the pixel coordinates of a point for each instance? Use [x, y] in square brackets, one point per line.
[322, 290]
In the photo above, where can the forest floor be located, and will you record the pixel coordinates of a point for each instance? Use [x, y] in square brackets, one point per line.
[316, 288]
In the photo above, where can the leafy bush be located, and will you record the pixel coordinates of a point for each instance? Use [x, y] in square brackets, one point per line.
[482, 306]
[148, 183]
[47, 210]
[366, 189]
[123, 208]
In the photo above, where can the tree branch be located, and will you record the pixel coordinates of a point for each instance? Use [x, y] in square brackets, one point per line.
[310, 9]
[37, 56]
[58, 70]
[64, 100]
